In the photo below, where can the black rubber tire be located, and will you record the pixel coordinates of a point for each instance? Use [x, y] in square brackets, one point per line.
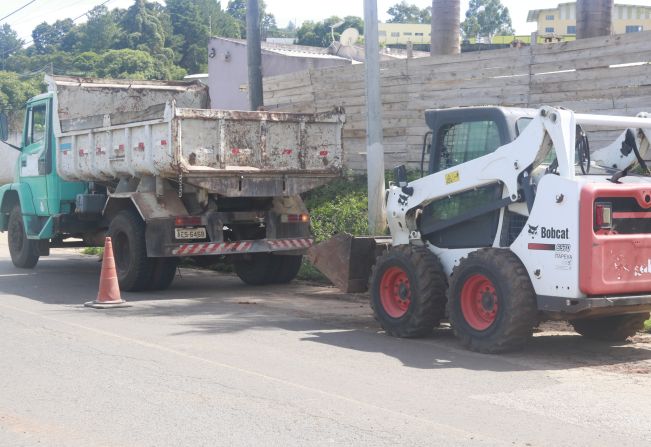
[163, 273]
[427, 286]
[285, 268]
[24, 252]
[517, 311]
[255, 269]
[613, 328]
[134, 268]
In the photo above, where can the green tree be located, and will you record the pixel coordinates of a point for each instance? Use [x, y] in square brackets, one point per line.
[14, 92]
[135, 64]
[487, 18]
[47, 38]
[405, 13]
[101, 32]
[237, 10]
[144, 29]
[318, 34]
[9, 42]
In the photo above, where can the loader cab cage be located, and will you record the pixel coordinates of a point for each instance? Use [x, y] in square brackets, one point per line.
[458, 136]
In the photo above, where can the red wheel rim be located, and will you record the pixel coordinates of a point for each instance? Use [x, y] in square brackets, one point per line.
[395, 292]
[479, 302]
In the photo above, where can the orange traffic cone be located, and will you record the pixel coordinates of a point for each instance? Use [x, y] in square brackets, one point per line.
[108, 296]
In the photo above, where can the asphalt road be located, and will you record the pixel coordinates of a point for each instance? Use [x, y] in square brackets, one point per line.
[211, 362]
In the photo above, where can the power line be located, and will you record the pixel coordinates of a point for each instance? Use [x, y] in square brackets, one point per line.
[14, 12]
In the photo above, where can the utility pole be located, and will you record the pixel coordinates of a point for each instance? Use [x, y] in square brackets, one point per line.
[374, 148]
[254, 54]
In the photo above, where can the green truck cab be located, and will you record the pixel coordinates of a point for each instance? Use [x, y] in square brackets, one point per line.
[29, 204]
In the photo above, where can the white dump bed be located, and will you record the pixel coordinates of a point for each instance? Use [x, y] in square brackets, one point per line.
[113, 129]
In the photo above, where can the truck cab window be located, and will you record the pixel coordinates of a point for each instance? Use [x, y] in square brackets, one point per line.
[463, 142]
[37, 125]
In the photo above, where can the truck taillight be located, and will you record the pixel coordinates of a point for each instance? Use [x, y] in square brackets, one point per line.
[187, 221]
[603, 216]
[295, 218]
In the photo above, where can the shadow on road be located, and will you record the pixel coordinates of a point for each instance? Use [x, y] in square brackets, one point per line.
[219, 304]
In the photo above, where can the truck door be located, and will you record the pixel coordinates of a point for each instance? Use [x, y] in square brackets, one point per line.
[36, 155]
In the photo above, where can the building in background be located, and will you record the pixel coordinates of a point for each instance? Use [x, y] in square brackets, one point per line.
[561, 21]
[228, 73]
[403, 33]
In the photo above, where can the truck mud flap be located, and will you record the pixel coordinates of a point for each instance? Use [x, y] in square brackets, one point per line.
[346, 260]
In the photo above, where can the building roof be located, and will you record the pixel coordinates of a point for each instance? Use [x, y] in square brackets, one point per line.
[289, 50]
[533, 14]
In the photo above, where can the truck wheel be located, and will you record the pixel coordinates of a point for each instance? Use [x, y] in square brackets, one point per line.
[492, 302]
[408, 291]
[163, 273]
[255, 269]
[285, 268]
[24, 252]
[614, 328]
[134, 268]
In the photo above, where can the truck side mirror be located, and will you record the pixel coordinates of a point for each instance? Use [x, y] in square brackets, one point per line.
[4, 127]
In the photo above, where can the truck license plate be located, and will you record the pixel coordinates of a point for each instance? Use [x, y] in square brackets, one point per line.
[190, 233]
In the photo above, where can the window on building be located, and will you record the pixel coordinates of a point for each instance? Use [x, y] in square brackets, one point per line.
[395, 34]
[382, 33]
[550, 17]
[419, 34]
[634, 28]
[406, 34]
[549, 29]
[571, 29]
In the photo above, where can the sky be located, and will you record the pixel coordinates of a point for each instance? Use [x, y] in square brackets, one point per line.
[284, 10]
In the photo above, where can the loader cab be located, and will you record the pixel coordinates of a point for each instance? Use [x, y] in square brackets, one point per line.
[456, 136]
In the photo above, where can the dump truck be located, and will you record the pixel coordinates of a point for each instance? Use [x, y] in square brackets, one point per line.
[513, 221]
[151, 165]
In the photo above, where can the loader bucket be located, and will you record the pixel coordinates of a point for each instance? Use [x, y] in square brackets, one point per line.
[346, 260]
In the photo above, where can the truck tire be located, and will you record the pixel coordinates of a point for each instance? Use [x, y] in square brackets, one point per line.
[163, 273]
[285, 268]
[24, 252]
[408, 288]
[255, 269]
[613, 328]
[492, 305]
[134, 268]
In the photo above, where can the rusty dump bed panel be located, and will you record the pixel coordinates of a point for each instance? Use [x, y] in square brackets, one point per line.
[146, 132]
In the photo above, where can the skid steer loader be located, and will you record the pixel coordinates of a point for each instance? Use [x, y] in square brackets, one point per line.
[516, 222]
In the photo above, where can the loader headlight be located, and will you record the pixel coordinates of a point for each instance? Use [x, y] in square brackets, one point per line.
[603, 218]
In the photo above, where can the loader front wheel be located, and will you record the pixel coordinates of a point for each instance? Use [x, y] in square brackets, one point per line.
[24, 252]
[492, 302]
[613, 328]
[408, 288]
[134, 268]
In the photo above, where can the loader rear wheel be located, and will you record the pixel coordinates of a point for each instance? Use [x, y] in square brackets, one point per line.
[492, 303]
[163, 273]
[134, 268]
[613, 328]
[24, 252]
[408, 288]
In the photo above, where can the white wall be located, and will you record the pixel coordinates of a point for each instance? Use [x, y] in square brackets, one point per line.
[227, 69]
